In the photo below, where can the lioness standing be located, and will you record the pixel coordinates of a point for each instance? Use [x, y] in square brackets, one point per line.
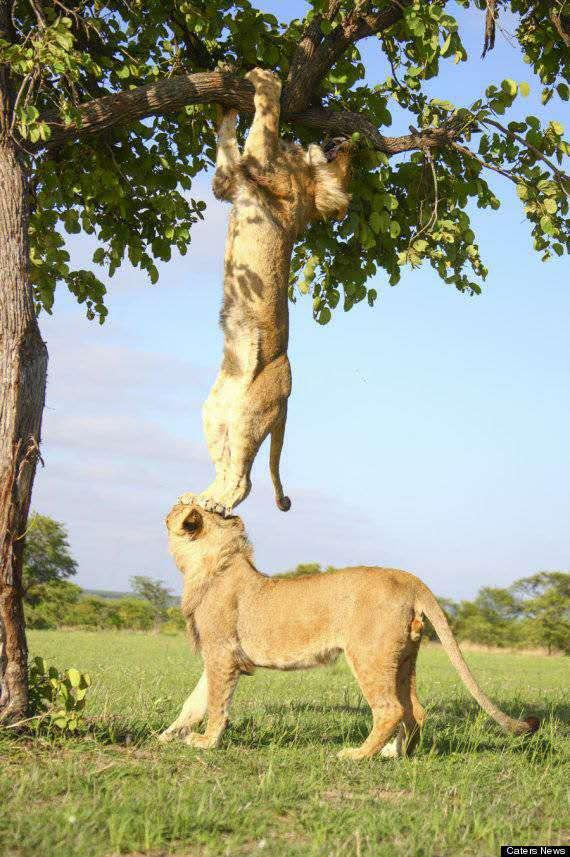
[275, 189]
[241, 619]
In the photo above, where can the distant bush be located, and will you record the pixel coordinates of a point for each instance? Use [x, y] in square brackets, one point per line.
[60, 604]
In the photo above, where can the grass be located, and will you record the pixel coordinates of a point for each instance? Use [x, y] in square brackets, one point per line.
[276, 786]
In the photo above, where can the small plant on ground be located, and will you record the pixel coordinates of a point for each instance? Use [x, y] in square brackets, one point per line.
[57, 697]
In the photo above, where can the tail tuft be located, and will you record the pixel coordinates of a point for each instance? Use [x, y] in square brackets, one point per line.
[283, 503]
[533, 724]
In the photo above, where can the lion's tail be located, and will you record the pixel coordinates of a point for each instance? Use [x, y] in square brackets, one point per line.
[277, 435]
[427, 604]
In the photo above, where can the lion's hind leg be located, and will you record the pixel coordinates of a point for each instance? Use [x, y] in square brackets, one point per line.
[377, 677]
[215, 424]
[409, 731]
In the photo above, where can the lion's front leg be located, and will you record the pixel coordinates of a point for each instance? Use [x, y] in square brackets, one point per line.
[223, 675]
[227, 158]
[193, 712]
[261, 144]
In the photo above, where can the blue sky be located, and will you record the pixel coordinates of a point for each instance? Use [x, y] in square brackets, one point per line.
[429, 433]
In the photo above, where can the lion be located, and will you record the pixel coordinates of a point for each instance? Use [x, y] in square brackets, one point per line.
[276, 188]
[241, 619]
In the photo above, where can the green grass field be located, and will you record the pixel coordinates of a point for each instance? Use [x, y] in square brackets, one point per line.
[275, 786]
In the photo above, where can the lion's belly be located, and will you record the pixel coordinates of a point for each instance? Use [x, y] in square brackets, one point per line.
[254, 313]
[280, 657]
[288, 639]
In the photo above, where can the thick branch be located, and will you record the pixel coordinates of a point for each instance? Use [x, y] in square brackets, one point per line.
[315, 55]
[344, 123]
[165, 96]
[169, 96]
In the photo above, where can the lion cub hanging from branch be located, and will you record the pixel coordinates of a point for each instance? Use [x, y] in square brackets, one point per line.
[275, 188]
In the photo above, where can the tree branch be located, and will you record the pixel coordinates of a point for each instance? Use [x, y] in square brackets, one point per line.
[536, 152]
[195, 48]
[561, 23]
[305, 55]
[316, 55]
[169, 96]
[465, 151]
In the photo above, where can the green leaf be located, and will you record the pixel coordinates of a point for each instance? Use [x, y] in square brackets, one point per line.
[524, 88]
[563, 91]
[547, 225]
[375, 222]
[74, 677]
[509, 86]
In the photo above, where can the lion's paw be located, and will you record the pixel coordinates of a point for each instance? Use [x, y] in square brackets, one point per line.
[168, 735]
[393, 750]
[200, 742]
[354, 753]
[264, 81]
[211, 505]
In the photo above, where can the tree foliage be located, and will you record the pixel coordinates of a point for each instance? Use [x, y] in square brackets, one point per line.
[113, 112]
[47, 556]
[156, 593]
[546, 604]
[534, 611]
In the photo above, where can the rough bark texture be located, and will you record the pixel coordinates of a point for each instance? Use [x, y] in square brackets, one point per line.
[23, 368]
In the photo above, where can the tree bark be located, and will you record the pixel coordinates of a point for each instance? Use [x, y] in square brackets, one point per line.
[23, 369]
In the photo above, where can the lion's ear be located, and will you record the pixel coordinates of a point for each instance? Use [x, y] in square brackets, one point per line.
[193, 523]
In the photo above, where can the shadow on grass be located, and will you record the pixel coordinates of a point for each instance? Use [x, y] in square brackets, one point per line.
[454, 727]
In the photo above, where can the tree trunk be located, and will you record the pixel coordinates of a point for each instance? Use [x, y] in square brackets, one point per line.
[23, 369]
